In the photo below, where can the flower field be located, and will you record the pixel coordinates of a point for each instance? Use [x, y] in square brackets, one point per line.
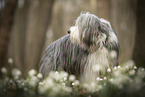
[125, 80]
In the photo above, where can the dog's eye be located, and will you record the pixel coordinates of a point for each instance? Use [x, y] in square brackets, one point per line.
[68, 31]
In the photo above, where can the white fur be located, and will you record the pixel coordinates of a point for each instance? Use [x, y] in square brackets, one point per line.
[113, 37]
[100, 57]
[107, 23]
[74, 35]
[97, 63]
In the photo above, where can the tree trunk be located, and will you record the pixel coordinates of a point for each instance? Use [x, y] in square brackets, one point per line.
[139, 48]
[17, 44]
[123, 20]
[38, 21]
[5, 28]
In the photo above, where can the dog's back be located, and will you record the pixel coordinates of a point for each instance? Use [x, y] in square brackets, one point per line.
[63, 55]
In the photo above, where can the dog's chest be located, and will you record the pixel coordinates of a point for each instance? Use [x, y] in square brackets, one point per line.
[100, 58]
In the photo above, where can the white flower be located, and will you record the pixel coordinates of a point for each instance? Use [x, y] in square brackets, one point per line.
[4, 70]
[142, 69]
[113, 54]
[138, 82]
[23, 84]
[32, 72]
[92, 87]
[117, 73]
[126, 67]
[115, 68]
[64, 84]
[55, 91]
[47, 84]
[108, 70]
[41, 83]
[10, 61]
[132, 72]
[16, 73]
[59, 90]
[105, 78]
[56, 72]
[76, 82]
[111, 80]
[134, 67]
[33, 81]
[56, 76]
[93, 84]
[63, 74]
[140, 73]
[65, 79]
[100, 87]
[118, 81]
[59, 76]
[72, 78]
[98, 78]
[42, 90]
[49, 81]
[118, 67]
[73, 84]
[85, 85]
[39, 75]
[130, 63]
[67, 89]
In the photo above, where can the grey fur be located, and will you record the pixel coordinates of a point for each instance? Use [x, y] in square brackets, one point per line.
[75, 53]
[63, 55]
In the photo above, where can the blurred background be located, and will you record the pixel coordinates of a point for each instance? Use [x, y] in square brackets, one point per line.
[27, 27]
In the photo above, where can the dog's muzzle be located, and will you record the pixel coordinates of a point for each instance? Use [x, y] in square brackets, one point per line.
[68, 31]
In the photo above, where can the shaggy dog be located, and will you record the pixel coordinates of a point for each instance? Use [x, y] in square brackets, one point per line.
[84, 50]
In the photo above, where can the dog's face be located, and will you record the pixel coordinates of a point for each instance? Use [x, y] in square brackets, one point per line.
[88, 32]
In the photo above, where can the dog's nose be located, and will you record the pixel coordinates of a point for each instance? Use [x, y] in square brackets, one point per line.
[68, 31]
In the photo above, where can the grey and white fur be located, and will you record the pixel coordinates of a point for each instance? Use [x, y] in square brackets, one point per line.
[87, 46]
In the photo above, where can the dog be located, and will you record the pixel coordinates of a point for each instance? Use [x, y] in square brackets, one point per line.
[85, 49]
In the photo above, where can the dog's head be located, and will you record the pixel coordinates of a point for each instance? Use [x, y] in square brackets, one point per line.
[88, 32]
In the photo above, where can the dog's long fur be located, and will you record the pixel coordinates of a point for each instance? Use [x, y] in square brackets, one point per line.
[89, 43]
